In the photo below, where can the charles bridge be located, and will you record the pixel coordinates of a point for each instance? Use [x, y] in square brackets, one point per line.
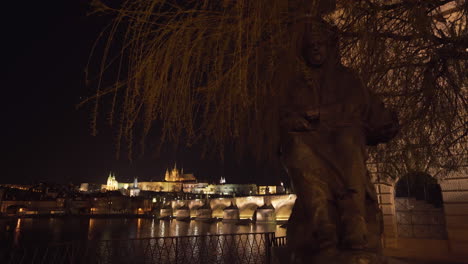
[261, 208]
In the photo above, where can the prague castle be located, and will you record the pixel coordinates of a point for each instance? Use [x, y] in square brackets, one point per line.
[176, 181]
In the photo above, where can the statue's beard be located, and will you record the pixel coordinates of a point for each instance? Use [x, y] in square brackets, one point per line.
[316, 62]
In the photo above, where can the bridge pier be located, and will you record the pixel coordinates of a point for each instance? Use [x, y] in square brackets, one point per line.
[165, 212]
[204, 212]
[266, 213]
[182, 213]
[231, 213]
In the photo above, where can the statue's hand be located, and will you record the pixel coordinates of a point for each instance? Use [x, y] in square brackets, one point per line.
[300, 121]
[300, 124]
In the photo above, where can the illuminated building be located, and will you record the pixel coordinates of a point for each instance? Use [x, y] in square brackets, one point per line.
[178, 176]
[222, 180]
[175, 181]
[199, 187]
[17, 186]
[112, 183]
[270, 189]
[190, 187]
[236, 189]
[91, 187]
[134, 190]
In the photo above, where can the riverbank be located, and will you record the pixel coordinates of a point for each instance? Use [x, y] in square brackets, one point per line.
[77, 216]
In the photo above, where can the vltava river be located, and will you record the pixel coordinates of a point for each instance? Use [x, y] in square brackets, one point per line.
[30, 231]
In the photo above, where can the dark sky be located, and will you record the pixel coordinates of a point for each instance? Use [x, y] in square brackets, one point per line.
[45, 46]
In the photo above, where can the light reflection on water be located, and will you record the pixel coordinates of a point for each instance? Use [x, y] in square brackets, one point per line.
[43, 230]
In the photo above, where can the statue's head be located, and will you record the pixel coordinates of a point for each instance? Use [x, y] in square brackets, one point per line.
[319, 44]
[314, 50]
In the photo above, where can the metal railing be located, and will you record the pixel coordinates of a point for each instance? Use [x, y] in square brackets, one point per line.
[248, 248]
[279, 241]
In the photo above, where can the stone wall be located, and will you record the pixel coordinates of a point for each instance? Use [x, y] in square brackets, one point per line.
[455, 195]
[386, 197]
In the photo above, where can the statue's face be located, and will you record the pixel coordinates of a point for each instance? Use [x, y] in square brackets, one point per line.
[315, 50]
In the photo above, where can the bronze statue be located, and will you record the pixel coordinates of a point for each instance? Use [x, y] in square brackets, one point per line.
[327, 119]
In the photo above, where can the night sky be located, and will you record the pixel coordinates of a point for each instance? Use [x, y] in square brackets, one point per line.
[46, 46]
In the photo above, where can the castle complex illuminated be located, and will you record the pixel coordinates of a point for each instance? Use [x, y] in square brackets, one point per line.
[176, 181]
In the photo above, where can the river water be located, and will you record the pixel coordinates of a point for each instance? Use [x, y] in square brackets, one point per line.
[33, 231]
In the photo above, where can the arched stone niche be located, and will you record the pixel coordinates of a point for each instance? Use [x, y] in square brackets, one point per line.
[419, 207]
[454, 190]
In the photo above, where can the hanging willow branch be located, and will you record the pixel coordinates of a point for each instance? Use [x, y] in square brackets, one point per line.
[213, 71]
[209, 71]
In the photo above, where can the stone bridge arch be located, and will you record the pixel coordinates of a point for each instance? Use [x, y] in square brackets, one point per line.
[247, 210]
[283, 207]
[12, 206]
[217, 206]
[15, 208]
[248, 205]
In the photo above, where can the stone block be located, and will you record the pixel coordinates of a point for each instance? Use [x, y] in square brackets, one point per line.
[458, 234]
[457, 196]
[389, 219]
[386, 199]
[390, 242]
[457, 221]
[454, 185]
[460, 247]
[390, 231]
[456, 209]
[384, 189]
[387, 209]
[390, 227]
